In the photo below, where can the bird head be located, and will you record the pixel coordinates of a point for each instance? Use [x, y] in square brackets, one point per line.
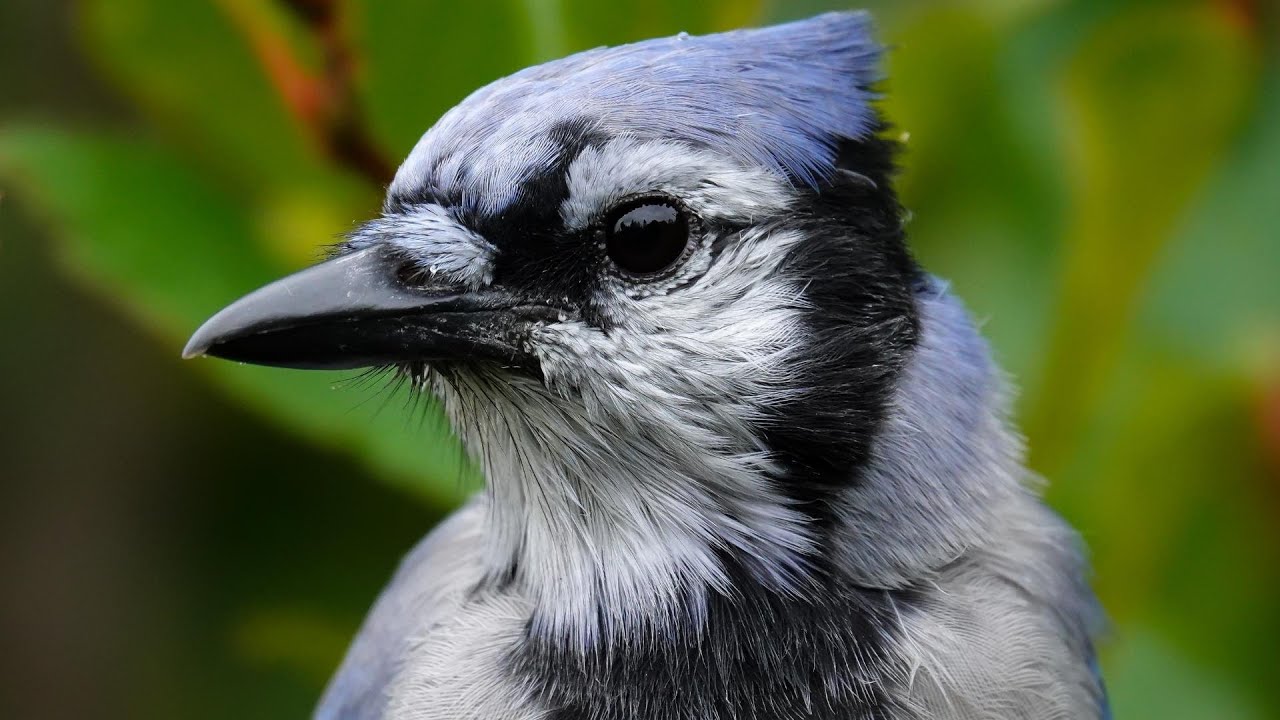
[663, 293]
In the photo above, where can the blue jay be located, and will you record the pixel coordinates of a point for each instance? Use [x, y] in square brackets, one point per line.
[745, 460]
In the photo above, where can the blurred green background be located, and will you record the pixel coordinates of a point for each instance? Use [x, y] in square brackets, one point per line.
[1099, 179]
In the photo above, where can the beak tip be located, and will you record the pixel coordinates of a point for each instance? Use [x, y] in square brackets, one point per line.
[197, 346]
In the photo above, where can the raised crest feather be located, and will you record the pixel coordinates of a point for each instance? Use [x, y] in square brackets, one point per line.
[780, 97]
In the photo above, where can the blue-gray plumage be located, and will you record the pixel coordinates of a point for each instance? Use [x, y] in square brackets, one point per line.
[744, 458]
[777, 98]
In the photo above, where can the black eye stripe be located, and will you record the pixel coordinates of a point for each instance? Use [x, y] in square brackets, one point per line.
[646, 236]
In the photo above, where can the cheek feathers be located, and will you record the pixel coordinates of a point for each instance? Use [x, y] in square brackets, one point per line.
[707, 347]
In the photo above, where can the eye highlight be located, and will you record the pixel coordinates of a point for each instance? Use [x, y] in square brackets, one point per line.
[647, 236]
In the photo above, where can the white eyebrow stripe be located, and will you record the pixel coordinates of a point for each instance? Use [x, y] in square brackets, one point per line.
[713, 186]
[435, 241]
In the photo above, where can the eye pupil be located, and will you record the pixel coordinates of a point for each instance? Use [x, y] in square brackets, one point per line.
[646, 236]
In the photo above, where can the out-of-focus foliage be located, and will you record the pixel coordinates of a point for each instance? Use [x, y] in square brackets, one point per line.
[1098, 179]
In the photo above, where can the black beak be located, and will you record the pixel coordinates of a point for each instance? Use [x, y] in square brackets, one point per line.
[359, 310]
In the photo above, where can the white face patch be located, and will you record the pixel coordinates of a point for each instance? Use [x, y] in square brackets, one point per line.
[620, 481]
[436, 242]
[617, 483]
[614, 524]
[712, 186]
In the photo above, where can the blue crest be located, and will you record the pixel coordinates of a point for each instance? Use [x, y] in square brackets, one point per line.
[780, 97]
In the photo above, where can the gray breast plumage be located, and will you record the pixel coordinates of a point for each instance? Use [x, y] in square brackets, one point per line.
[996, 626]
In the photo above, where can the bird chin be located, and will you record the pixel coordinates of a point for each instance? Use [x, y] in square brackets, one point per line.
[424, 374]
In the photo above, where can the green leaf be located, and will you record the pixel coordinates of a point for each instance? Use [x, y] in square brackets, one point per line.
[1150, 679]
[143, 228]
[1215, 294]
[1152, 98]
[590, 24]
[422, 58]
[191, 72]
[291, 637]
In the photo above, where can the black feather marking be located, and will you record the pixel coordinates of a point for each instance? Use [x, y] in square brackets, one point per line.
[536, 256]
[760, 655]
[860, 282]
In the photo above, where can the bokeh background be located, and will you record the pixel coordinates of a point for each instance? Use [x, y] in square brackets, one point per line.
[1099, 179]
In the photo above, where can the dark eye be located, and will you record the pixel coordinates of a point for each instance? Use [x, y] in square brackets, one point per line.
[646, 236]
